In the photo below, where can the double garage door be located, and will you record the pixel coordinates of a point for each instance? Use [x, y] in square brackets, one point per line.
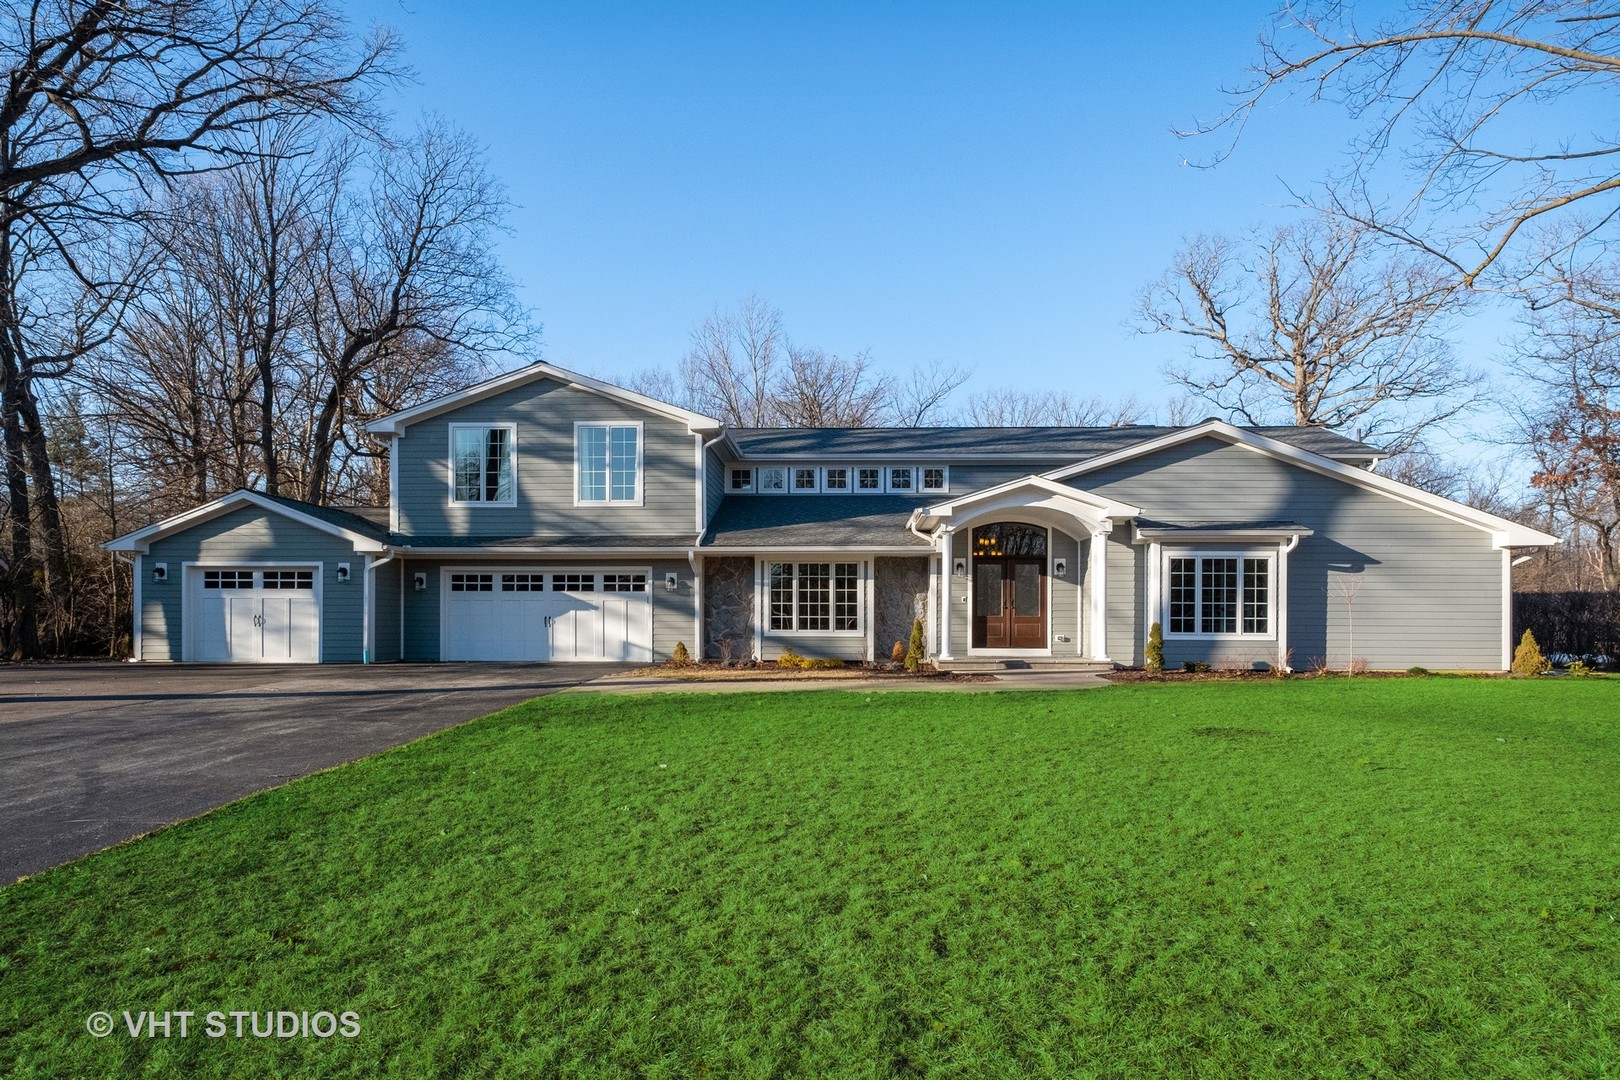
[253, 614]
[546, 615]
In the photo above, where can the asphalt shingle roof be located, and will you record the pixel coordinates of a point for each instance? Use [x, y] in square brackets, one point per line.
[854, 521]
[1073, 444]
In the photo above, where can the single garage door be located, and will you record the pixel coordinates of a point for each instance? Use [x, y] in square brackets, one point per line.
[254, 614]
[547, 615]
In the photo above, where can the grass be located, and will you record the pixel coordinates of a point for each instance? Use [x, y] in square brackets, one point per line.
[1373, 878]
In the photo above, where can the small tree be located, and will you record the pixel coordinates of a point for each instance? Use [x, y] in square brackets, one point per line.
[898, 653]
[1528, 661]
[1155, 648]
[680, 656]
[915, 654]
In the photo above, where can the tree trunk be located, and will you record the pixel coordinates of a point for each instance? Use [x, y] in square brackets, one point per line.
[25, 610]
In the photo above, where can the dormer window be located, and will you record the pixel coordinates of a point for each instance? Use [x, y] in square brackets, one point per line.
[934, 478]
[742, 480]
[607, 463]
[900, 478]
[483, 463]
[773, 479]
[804, 480]
[835, 479]
[869, 479]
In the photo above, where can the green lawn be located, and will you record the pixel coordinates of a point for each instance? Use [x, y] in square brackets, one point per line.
[1330, 877]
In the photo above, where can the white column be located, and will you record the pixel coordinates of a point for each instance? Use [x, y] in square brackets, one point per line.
[869, 606]
[1155, 590]
[1507, 609]
[931, 614]
[948, 573]
[699, 650]
[760, 608]
[135, 606]
[1279, 602]
[1099, 590]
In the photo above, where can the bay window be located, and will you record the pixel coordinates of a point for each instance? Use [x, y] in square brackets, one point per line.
[1224, 594]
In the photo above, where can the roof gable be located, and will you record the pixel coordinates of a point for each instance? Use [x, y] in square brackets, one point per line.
[366, 536]
[1504, 533]
[396, 423]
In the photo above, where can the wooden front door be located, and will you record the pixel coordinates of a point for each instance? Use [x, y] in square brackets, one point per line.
[1009, 587]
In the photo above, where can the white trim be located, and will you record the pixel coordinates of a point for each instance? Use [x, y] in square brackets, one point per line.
[746, 489]
[512, 458]
[368, 618]
[855, 479]
[1507, 609]
[867, 601]
[395, 423]
[1279, 604]
[815, 479]
[931, 610]
[888, 480]
[401, 610]
[135, 630]
[140, 541]
[695, 561]
[943, 489]
[863, 618]
[1099, 590]
[972, 585]
[641, 455]
[787, 480]
[1155, 593]
[1504, 533]
[593, 552]
[1270, 553]
[188, 620]
[759, 610]
[947, 575]
[393, 484]
[1234, 535]
[849, 480]
[1005, 496]
[875, 549]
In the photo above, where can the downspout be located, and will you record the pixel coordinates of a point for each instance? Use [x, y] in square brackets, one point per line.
[370, 630]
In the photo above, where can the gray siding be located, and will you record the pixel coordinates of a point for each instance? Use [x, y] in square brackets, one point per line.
[385, 596]
[673, 612]
[249, 534]
[545, 413]
[714, 483]
[1430, 590]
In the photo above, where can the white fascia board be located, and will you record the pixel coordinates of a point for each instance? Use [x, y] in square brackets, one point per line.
[1504, 533]
[800, 549]
[1143, 536]
[550, 552]
[141, 540]
[396, 423]
[1003, 494]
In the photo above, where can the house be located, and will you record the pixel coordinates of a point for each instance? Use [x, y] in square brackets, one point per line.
[547, 516]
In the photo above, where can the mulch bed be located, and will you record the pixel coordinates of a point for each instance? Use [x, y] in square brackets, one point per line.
[714, 672]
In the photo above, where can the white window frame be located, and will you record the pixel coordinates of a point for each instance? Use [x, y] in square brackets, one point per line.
[862, 592]
[787, 480]
[511, 450]
[731, 486]
[641, 454]
[849, 480]
[855, 480]
[793, 480]
[922, 471]
[888, 480]
[1269, 554]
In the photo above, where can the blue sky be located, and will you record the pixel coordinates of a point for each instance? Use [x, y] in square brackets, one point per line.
[988, 185]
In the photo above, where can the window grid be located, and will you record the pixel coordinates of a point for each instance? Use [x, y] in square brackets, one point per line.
[523, 582]
[804, 479]
[933, 479]
[900, 478]
[608, 459]
[742, 479]
[624, 582]
[846, 596]
[773, 479]
[1183, 595]
[836, 479]
[815, 597]
[573, 582]
[1217, 594]
[482, 464]
[227, 579]
[781, 596]
[289, 579]
[472, 582]
[869, 479]
[812, 597]
[1256, 596]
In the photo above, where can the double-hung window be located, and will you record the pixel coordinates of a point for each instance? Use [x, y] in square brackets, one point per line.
[810, 596]
[607, 462]
[483, 463]
[1219, 595]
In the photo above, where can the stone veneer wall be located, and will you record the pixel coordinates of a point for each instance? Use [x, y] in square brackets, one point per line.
[900, 595]
[728, 607]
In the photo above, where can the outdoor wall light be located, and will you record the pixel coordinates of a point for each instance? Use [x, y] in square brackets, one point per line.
[1060, 567]
[419, 580]
[160, 571]
[671, 581]
[343, 571]
[959, 568]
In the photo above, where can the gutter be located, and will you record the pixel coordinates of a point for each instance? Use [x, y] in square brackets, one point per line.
[370, 629]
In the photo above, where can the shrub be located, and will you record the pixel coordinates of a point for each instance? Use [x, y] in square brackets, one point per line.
[1194, 666]
[680, 657]
[1527, 659]
[824, 663]
[1417, 670]
[898, 653]
[1580, 669]
[914, 654]
[791, 659]
[1155, 648]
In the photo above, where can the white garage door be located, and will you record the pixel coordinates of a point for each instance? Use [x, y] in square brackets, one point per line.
[547, 615]
[254, 614]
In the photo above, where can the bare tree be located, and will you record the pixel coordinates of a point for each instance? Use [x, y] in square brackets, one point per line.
[731, 370]
[1009, 407]
[101, 101]
[1308, 323]
[819, 389]
[1462, 91]
[922, 398]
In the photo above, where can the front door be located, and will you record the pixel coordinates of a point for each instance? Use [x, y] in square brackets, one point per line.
[1009, 587]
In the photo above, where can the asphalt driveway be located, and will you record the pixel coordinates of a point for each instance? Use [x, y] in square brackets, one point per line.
[93, 754]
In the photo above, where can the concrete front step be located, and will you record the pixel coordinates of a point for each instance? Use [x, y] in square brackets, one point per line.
[1023, 663]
